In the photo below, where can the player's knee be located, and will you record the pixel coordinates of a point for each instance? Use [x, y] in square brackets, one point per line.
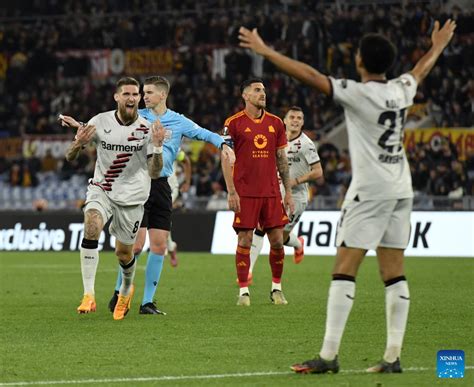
[277, 245]
[123, 255]
[92, 224]
[138, 247]
[158, 246]
[276, 241]
[245, 241]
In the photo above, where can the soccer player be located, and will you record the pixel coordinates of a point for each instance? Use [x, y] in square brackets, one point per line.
[157, 216]
[305, 166]
[185, 162]
[253, 190]
[128, 154]
[377, 207]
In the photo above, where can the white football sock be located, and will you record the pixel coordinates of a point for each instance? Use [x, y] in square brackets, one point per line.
[293, 241]
[170, 244]
[89, 263]
[257, 244]
[340, 300]
[128, 274]
[397, 304]
[244, 290]
[276, 286]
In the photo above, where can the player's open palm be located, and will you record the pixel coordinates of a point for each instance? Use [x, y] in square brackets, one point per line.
[85, 134]
[252, 40]
[157, 133]
[441, 37]
[69, 121]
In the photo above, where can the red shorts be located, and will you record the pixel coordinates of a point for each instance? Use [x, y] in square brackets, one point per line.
[263, 212]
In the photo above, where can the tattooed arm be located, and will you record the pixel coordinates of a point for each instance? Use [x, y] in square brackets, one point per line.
[284, 170]
[83, 136]
[155, 163]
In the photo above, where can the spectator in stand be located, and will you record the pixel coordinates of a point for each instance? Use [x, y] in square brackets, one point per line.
[49, 163]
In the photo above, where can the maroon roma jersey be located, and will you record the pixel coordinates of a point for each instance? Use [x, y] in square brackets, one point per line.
[255, 144]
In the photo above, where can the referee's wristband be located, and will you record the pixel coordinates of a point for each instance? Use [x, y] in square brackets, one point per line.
[158, 149]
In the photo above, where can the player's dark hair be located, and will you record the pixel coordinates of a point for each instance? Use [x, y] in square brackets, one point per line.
[248, 82]
[295, 109]
[377, 53]
[126, 81]
[158, 81]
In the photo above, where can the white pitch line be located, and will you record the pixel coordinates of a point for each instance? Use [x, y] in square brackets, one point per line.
[189, 377]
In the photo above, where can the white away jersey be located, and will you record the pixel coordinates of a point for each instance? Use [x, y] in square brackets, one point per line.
[301, 153]
[121, 168]
[375, 115]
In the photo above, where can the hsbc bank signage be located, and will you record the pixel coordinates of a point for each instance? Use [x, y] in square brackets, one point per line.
[433, 234]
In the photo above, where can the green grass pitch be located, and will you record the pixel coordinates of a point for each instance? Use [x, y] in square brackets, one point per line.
[206, 339]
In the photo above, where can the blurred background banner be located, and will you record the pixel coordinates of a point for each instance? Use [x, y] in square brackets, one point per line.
[63, 231]
[102, 64]
[461, 138]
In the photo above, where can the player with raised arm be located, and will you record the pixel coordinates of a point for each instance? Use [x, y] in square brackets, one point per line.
[259, 142]
[128, 154]
[377, 207]
[305, 166]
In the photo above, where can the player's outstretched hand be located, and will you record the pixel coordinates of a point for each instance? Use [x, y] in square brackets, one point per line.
[228, 153]
[441, 37]
[184, 187]
[84, 134]
[157, 133]
[252, 40]
[233, 200]
[289, 204]
[68, 121]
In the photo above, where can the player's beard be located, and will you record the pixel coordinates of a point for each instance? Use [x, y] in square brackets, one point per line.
[128, 114]
[260, 104]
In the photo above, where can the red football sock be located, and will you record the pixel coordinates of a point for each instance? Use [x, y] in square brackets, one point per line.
[242, 263]
[277, 258]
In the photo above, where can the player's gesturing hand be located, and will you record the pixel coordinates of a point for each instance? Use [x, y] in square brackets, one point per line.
[69, 121]
[289, 204]
[252, 40]
[157, 133]
[233, 200]
[84, 134]
[441, 37]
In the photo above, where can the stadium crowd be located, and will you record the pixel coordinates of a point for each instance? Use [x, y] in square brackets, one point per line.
[323, 34]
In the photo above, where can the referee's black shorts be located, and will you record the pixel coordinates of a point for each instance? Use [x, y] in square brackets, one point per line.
[158, 206]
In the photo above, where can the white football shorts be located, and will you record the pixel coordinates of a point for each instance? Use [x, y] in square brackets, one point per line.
[125, 219]
[373, 223]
